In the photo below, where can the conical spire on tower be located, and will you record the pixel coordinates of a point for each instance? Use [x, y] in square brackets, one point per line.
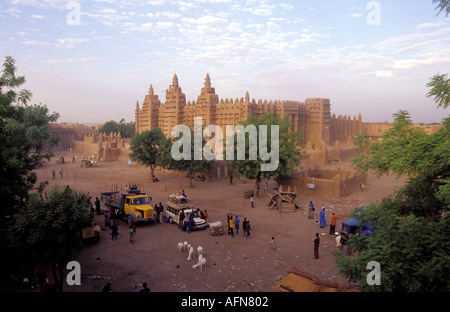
[175, 81]
[207, 89]
[207, 81]
[150, 90]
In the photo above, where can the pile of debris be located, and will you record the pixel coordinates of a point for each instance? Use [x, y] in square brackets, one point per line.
[300, 281]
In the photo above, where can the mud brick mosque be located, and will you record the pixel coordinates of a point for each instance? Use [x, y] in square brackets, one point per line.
[322, 133]
[311, 118]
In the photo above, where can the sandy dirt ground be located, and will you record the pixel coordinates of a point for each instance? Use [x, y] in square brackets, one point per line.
[234, 264]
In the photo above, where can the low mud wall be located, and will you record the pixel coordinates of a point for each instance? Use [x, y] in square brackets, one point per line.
[327, 183]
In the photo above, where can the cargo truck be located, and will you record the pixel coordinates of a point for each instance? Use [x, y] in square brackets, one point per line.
[133, 205]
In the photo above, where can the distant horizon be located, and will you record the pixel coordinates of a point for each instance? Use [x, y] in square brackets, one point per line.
[91, 61]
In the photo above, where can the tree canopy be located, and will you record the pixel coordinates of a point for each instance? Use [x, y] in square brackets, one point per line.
[126, 129]
[440, 89]
[149, 148]
[25, 139]
[443, 6]
[412, 226]
[49, 229]
[191, 165]
[289, 153]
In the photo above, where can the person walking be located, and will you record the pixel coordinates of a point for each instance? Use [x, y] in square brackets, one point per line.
[161, 212]
[248, 229]
[236, 224]
[132, 233]
[232, 226]
[273, 243]
[338, 241]
[322, 221]
[244, 226]
[181, 221]
[107, 216]
[114, 231]
[97, 205]
[251, 200]
[333, 223]
[311, 210]
[316, 246]
[206, 216]
[156, 209]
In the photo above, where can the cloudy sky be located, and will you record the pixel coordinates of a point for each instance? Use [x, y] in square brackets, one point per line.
[91, 61]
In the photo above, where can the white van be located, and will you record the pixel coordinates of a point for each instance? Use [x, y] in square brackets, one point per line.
[173, 210]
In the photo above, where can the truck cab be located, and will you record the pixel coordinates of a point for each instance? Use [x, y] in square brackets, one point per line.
[138, 208]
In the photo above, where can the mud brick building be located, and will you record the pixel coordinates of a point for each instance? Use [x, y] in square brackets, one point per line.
[311, 118]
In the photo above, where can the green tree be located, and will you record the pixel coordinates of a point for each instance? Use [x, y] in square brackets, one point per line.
[126, 129]
[49, 230]
[25, 139]
[413, 253]
[288, 147]
[190, 165]
[412, 226]
[149, 148]
[443, 6]
[440, 89]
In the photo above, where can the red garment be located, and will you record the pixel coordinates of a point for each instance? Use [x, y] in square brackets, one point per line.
[333, 220]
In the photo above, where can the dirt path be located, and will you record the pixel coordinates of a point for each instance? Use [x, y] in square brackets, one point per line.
[233, 263]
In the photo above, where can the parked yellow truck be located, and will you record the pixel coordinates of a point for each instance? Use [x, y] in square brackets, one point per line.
[132, 205]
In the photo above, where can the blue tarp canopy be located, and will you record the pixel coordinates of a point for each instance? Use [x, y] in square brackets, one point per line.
[351, 222]
[353, 226]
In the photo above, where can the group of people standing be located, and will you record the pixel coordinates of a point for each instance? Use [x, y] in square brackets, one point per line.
[186, 220]
[234, 224]
[322, 220]
[322, 223]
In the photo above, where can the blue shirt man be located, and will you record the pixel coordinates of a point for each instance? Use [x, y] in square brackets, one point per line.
[236, 224]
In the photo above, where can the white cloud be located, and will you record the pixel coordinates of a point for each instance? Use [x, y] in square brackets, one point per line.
[33, 42]
[70, 42]
[13, 11]
[205, 20]
[37, 16]
[404, 41]
[74, 60]
[108, 11]
[58, 4]
[171, 14]
[164, 25]
[384, 73]
[425, 26]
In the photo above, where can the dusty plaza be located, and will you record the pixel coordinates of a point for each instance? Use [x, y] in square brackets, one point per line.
[234, 264]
